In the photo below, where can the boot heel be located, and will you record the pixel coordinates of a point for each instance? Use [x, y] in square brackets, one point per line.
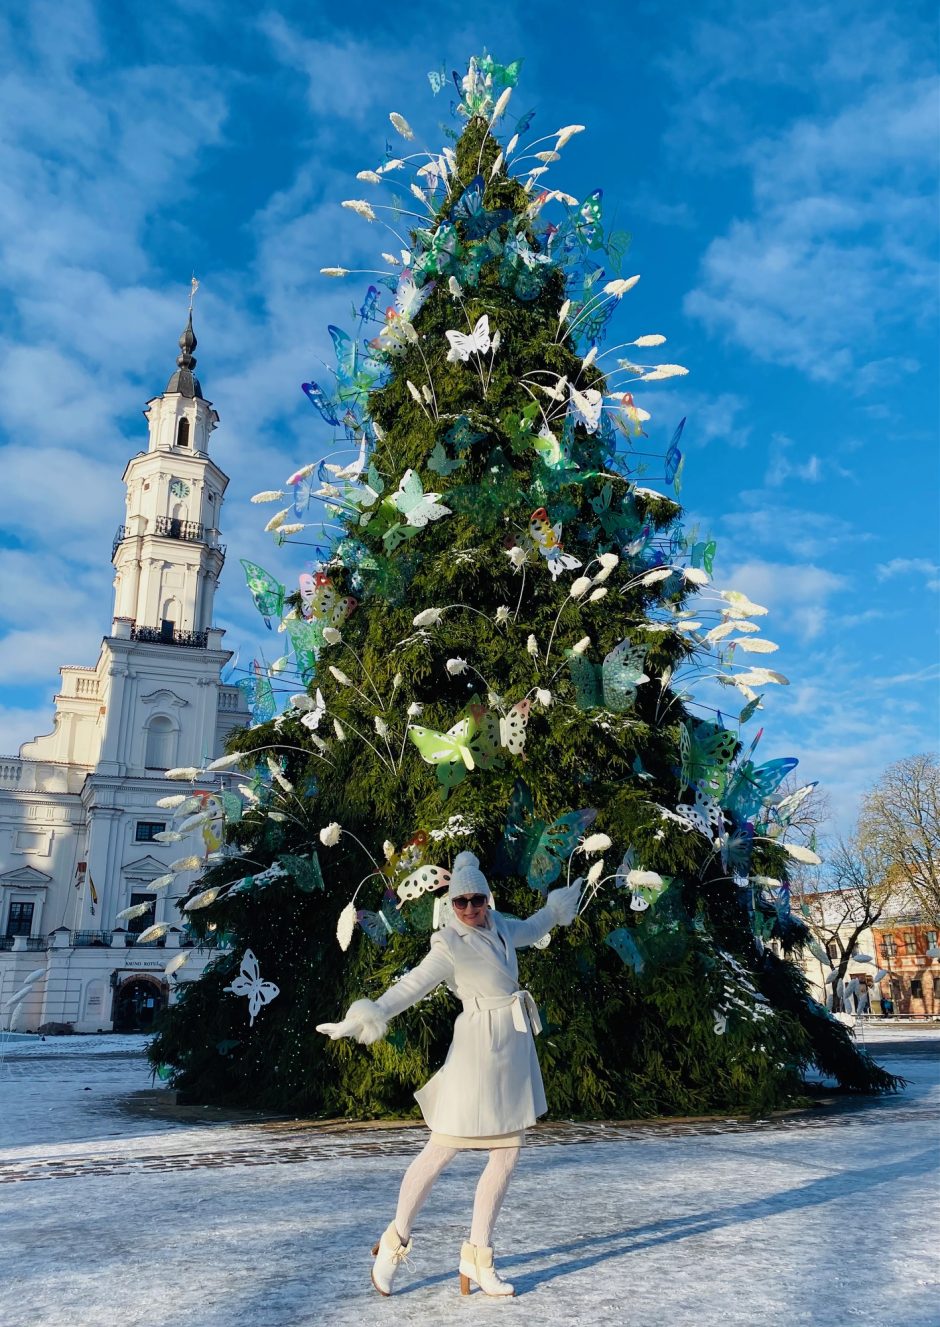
[464, 1284]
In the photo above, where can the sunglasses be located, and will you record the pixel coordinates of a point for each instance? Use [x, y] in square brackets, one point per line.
[473, 901]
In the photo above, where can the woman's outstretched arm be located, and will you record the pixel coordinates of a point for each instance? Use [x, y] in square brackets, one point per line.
[368, 1020]
[560, 909]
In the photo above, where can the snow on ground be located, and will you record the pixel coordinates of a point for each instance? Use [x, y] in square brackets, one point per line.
[110, 1215]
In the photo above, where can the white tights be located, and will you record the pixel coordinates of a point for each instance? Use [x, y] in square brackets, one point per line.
[491, 1189]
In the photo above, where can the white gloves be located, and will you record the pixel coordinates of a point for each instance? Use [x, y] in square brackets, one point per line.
[364, 1021]
[562, 904]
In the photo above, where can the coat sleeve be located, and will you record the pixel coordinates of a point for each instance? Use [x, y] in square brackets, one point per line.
[437, 966]
[522, 933]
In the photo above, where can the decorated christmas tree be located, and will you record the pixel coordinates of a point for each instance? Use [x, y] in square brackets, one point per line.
[497, 626]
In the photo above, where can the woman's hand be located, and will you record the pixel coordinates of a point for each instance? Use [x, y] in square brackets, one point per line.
[349, 1027]
[364, 1021]
[563, 903]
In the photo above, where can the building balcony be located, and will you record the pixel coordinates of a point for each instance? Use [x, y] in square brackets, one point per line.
[173, 528]
[90, 939]
[170, 635]
[170, 527]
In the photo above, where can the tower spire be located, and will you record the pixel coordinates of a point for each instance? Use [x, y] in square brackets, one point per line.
[184, 381]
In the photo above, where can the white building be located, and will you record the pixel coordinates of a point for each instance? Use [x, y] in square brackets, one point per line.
[78, 806]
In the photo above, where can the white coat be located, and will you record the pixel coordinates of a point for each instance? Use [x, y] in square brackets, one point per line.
[490, 1082]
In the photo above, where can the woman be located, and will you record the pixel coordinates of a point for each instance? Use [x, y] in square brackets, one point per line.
[489, 1090]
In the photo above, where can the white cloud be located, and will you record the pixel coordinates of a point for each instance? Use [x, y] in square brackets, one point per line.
[909, 567]
[798, 595]
[832, 258]
[19, 724]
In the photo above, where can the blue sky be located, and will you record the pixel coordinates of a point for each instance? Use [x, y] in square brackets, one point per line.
[775, 165]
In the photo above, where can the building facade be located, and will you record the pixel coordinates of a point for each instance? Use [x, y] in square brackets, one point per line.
[908, 951]
[78, 806]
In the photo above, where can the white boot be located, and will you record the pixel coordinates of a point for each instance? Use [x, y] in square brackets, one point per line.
[389, 1255]
[476, 1264]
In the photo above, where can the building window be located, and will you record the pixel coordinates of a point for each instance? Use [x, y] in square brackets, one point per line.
[182, 433]
[889, 946]
[147, 830]
[832, 949]
[936, 988]
[910, 942]
[161, 743]
[931, 939]
[917, 989]
[20, 920]
[137, 924]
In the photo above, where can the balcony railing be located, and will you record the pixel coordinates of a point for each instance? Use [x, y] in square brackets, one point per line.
[197, 640]
[170, 528]
[130, 941]
[173, 528]
[87, 939]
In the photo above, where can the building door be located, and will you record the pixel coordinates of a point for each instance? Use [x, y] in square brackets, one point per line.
[137, 1004]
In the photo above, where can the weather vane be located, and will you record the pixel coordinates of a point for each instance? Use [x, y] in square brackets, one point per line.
[194, 286]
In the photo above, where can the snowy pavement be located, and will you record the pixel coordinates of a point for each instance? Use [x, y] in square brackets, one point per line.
[159, 1217]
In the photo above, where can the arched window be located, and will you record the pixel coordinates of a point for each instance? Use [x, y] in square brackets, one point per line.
[182, 433]
[161, 743]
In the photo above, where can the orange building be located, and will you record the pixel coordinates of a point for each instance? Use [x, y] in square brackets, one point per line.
[913, 981]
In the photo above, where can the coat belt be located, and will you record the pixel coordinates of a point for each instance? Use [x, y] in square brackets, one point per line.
[525, 1012]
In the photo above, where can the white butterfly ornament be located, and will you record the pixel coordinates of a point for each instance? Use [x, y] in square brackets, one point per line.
[248, 982]
[462, 345]
[586, 407]
[417, 507]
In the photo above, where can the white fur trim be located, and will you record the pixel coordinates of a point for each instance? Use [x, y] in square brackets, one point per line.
[372, 1024]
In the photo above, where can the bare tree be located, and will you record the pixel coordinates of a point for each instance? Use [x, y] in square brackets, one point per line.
[900, 823]
[850, 898]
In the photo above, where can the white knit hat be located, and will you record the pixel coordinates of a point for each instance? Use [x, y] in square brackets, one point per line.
[466, 877]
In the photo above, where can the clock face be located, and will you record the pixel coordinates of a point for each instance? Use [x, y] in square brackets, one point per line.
[178, 489]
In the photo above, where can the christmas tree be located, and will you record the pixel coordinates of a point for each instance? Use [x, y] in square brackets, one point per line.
[498, 633]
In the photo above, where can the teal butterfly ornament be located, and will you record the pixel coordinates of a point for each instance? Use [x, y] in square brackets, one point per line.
[611, 685]
[538, 849]
[706, 751]
[751, 785]
[387, 921]
[475, 220]
[267, 593]
[417, 507]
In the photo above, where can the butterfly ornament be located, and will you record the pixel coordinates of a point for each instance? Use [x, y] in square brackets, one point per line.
[547, 539]
[705, 816]
[586, 407]
[538, 849]
[477, 342]
[321, 601]
[474, 742]
[611, 685]
[421, 881]
[248, 982]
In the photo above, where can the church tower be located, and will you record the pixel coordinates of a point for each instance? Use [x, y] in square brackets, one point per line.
[167, 555]
[80, 820]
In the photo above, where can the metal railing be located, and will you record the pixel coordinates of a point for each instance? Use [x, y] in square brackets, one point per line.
[130, 940]
[197, 640]
[87, 939]
[36, 943]
[173, 528]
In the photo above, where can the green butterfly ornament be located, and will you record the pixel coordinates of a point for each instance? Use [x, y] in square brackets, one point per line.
[474, 742]
[537, 849]
[706, 750]
[611, 685]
